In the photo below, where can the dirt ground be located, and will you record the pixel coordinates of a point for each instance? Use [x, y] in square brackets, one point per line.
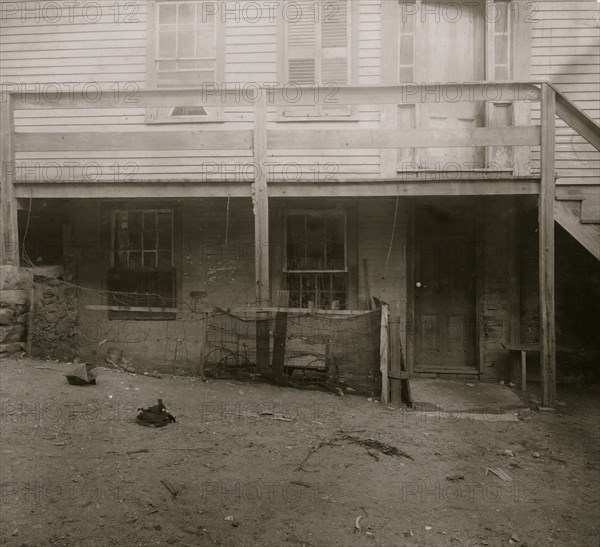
[73, 471]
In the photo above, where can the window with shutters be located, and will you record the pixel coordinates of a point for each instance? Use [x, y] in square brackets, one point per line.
[315, 265]
[185, 49]
[317, 50]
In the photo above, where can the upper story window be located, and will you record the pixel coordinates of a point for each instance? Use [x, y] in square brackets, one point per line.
[317, 49]
[186, 50]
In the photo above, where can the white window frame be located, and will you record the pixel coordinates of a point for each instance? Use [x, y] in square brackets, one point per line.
[315, 113]
[165, 115]
[318, 213]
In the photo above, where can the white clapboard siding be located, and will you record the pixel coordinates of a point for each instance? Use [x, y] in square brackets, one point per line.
[106, 46]
[566, 52]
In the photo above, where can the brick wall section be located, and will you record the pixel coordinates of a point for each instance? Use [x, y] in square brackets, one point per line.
[16, 286]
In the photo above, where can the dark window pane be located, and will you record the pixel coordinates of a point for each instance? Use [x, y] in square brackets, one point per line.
[135, 260]
[135, 240]
[150, 240]
[135, 220]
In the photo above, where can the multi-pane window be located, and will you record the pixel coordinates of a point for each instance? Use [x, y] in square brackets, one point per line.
[143, 240]
[186, 44]
[316, 259]
[186, 52]
[317, 42]
[141, 282]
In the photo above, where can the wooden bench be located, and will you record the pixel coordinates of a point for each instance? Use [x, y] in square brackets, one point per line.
[518, 358]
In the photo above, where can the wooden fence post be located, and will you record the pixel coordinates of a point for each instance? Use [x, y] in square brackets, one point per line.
[546, 245]
[9, 232]
[384, 353]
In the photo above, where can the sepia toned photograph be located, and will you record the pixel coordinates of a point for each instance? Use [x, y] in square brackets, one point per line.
[300, 273]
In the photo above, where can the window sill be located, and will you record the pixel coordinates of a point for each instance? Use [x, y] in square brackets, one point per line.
[185, 119]
[291, 119]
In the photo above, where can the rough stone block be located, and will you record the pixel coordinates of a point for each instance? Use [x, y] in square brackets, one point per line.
[10, 348]
[15, 278]
[6, 316]
[12, 333]
[12, 297]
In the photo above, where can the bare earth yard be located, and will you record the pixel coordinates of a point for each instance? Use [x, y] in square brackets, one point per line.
[72, 472]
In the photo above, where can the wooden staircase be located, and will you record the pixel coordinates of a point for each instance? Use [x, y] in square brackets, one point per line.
[577, 207]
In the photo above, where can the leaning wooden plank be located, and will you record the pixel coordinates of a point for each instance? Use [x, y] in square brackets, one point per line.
[138, 140]
[403, 138]
[578, 120]
[384, 353]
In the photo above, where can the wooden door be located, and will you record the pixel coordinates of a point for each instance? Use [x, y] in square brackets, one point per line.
[445, 290]
[450, 49]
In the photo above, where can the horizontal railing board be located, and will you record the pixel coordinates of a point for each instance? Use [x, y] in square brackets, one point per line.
[286, 96]
[404, 138]
[142, 140]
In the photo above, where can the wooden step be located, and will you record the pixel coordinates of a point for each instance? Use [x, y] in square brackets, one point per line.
[568, 215]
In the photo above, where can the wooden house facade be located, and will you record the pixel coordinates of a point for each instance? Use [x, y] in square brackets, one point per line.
[203, 153]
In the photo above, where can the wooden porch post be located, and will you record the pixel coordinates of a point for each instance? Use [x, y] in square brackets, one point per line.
[546, 245]
[260, 203]
[9, 232]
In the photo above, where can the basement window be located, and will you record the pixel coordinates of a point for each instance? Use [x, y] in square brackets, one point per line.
[141, 280]
[316, 259]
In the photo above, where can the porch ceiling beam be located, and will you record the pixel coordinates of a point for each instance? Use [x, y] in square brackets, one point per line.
[383, 189]
[167, 190]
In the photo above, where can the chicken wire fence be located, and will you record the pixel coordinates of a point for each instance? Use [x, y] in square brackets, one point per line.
[333, 348]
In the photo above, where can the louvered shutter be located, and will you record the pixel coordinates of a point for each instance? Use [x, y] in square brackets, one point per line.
[334, 50]
[302, 44]
[334, 42]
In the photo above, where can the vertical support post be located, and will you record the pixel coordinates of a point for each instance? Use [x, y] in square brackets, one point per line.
[260, 203]
[283, 302]
[263, 341]
[384, 353]
[546, 245]
[9, 236]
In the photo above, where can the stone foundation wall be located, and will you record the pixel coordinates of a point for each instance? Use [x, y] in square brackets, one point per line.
[55, 319]
[16, 287]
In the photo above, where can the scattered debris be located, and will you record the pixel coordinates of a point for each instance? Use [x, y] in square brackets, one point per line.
[470, 385]
[300, 483]
[428, 528]
[229, 518]
[83, 375]
[501, 474]
[536, 455]
[454, 478]
[172, 490]
[155, 416]
[507, 452]
[408, 533]
[384, 448]
[357, 527]
[140, 451]
[546, 409]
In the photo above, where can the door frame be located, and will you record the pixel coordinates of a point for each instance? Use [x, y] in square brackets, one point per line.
[411, 268]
